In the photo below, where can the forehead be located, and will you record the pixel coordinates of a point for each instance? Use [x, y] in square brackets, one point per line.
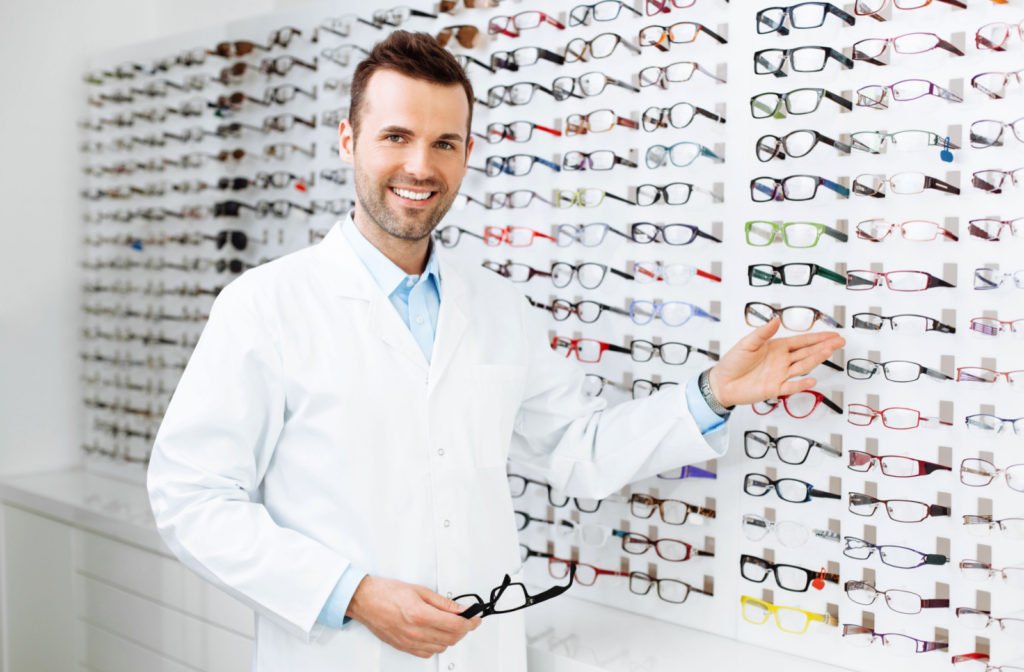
[392, 99]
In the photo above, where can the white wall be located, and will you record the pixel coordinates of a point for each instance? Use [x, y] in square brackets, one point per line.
[43, 46]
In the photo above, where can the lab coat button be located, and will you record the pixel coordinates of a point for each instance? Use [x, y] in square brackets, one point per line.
[451, 666]
[440, 451]
[446, 523]
[419, 320]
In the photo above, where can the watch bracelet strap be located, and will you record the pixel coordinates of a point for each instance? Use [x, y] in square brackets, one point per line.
[704, 383]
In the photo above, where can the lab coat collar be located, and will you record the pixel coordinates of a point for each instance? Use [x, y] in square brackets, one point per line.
[345, 275]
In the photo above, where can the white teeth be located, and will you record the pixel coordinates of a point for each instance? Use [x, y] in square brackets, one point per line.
[412, 195]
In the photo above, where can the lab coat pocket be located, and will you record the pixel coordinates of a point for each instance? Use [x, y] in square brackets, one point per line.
[499, 393]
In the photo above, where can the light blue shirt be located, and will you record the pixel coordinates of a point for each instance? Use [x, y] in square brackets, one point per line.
[417, 298]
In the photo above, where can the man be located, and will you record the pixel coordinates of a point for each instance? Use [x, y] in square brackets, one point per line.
[336, 448]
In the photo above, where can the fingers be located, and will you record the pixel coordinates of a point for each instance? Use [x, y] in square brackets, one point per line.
[760, 336]
[806, 340]
[797, 385]
[445, 617]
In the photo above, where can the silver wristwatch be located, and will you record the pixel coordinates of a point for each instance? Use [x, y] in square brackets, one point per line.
[704, 382]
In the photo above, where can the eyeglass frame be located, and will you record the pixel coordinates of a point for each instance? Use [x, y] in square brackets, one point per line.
[489, 607]
[773, 444]
[773, 484]
[926, 558]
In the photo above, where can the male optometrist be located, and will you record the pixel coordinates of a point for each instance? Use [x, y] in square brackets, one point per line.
[335, 453]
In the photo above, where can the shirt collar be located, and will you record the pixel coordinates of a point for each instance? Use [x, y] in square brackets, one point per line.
[386, 274]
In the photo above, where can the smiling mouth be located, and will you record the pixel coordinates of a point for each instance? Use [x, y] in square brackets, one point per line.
[411, 195]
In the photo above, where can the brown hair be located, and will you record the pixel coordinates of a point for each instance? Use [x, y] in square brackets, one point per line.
[416, 55]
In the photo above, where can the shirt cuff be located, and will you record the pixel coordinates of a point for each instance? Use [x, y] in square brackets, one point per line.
[333, 613]
[706, 419]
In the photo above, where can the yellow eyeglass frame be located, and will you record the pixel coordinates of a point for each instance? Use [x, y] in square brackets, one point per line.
[770, 608]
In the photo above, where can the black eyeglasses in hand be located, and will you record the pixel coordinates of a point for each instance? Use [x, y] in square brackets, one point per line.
[509, 597]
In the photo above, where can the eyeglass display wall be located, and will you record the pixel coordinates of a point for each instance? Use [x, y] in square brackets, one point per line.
[660, 178]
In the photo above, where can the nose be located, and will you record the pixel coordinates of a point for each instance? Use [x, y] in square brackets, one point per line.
[417, 162]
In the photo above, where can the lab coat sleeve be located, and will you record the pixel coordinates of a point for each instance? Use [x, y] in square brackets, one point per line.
[210, 455]
[585, 448]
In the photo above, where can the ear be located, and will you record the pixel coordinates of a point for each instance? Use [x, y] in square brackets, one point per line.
[469, 147]
[346, 141]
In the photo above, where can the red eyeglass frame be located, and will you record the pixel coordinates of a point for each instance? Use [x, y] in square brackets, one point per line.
[783, 400]
[502, 235]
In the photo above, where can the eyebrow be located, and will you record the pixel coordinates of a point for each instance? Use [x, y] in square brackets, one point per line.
[457, 137]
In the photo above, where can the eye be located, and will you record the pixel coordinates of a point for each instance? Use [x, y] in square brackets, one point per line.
[394, 137]
[445, 145]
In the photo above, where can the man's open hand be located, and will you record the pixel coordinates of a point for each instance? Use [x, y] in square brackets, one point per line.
[408, 617]
[759, 367]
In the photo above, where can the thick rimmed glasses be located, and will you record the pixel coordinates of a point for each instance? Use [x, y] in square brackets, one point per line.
[587, 235]
[588, 312]
[672, 550]
[513, 236]
[978, 374]
[671, 274]
[802, 16]
[790, 534]
[522, 57]
[898, 510]
[896, 281]
[870, 7]
[599, 46]
[671, 313]
[894, 417]
[992, 229]
[795, 144]
[672, 511]
[516, 131]
[990, 326]
[586, 575]
[989, 132]
[606, 10]
[793, 318]
[788, 489]
[682, 71]
[788, 577]
[644, 388]
[978, 473]
[516, 165]
[975, 570]
[509, 597]
[674, 193]
[797, 274]
[585, 198]
[800, 59]
[911, 139]
[586, 85]
[787, 619]
[797, 101]
[900, 601]
[598, 121]
[876, 95]
[681, 154]
[670, 234]
[984, 422]
[669, 590]
[517, 486]
[894, 556]
[916, 230]
[871, 49]
[792, 188]
[895, 371]
[789, 448]
[519, 198]
[589, 274]
[992, 181]
[798, 405]
[898, 643]
[586, 349]
[896, 466]
[683, 32]
[602, 159]
[978, 619]
[993, 84]
[671, 353]
[800, 235]
[874, 185]
[994, 36]
[520, 93]
[905, 322]
[679, 115]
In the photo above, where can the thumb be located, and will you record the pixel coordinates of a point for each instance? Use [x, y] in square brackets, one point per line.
[439, 601]
[761, 335]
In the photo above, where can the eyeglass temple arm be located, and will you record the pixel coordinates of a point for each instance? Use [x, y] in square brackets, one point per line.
[832, 9]
[624, 200]
[935, 559]
[937, 282]
[613, 309]
[939, 375]
[701, 234]
[926, 468]
[537, 304]
[619, 82]
[831, 404]
[828, 535]
[827, 448]
[716, 36]
[939, 91]
[934, 603]
[700, 312]
[829, 275]
[838, 99]
[690, 471]
[836, 187]
[936, 510]
[937, 184]
[814, 492]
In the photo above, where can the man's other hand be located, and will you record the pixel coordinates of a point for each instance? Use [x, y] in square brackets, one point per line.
[759, 367]
[408, 617]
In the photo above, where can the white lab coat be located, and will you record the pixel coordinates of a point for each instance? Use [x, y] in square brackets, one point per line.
[309, 432]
